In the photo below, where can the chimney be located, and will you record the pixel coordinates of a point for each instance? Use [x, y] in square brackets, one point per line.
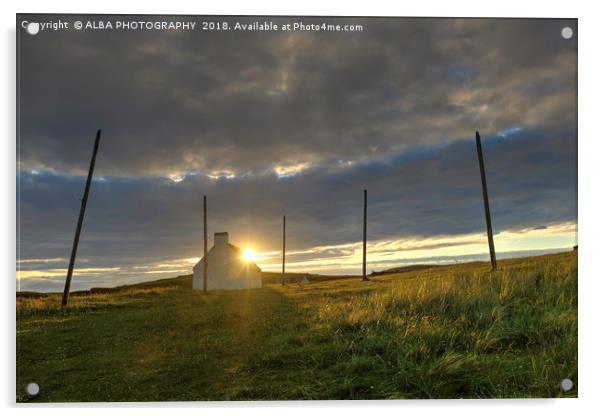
[220, 239]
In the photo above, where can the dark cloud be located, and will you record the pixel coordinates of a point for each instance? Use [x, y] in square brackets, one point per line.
[205, 101]
[427, 192]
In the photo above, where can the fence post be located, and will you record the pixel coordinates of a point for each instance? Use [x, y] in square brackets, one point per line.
[205, 261]
[283, 248]
[486, 204]
[80, 222]
[364, 277]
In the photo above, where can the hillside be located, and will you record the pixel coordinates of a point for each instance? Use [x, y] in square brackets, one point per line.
[185, 282]
[444, 332]
[402, 269]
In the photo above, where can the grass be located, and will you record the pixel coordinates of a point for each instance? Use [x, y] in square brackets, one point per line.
[450, 332]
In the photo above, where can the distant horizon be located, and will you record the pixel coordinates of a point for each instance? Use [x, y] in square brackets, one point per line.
[480, 257]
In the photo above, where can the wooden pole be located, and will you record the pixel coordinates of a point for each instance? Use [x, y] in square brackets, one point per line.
[80, 222]
[283, 248]
[205, 268]
[364, 277]
[486, 204]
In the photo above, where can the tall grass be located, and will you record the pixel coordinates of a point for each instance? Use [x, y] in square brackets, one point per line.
[50, 304]
[451, 332]
[467, 332]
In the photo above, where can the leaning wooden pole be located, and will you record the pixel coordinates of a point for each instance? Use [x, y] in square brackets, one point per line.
[80, 222]
[283, 248]
[205, 260]
[364, 277]
[486, 204]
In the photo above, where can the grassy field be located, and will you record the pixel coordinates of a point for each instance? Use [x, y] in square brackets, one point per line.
[449, 332]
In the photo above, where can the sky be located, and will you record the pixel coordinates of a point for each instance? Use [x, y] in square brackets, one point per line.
[295, 123]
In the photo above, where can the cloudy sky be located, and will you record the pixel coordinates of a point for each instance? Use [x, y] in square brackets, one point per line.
[293, 123]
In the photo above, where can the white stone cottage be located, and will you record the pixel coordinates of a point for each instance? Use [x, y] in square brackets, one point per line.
[226, 268]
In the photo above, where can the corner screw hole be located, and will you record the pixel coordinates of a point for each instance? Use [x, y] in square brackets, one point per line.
[32, 389]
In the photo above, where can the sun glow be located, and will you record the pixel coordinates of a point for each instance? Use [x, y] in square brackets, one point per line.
[248, 254]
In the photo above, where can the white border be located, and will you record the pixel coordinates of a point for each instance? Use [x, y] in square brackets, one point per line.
[590, 345]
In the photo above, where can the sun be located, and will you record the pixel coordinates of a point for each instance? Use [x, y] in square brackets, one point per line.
[248, 254]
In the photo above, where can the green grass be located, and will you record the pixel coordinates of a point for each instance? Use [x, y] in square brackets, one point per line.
[450, 332]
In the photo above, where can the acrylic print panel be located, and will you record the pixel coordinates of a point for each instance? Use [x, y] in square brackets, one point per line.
[295, 208]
